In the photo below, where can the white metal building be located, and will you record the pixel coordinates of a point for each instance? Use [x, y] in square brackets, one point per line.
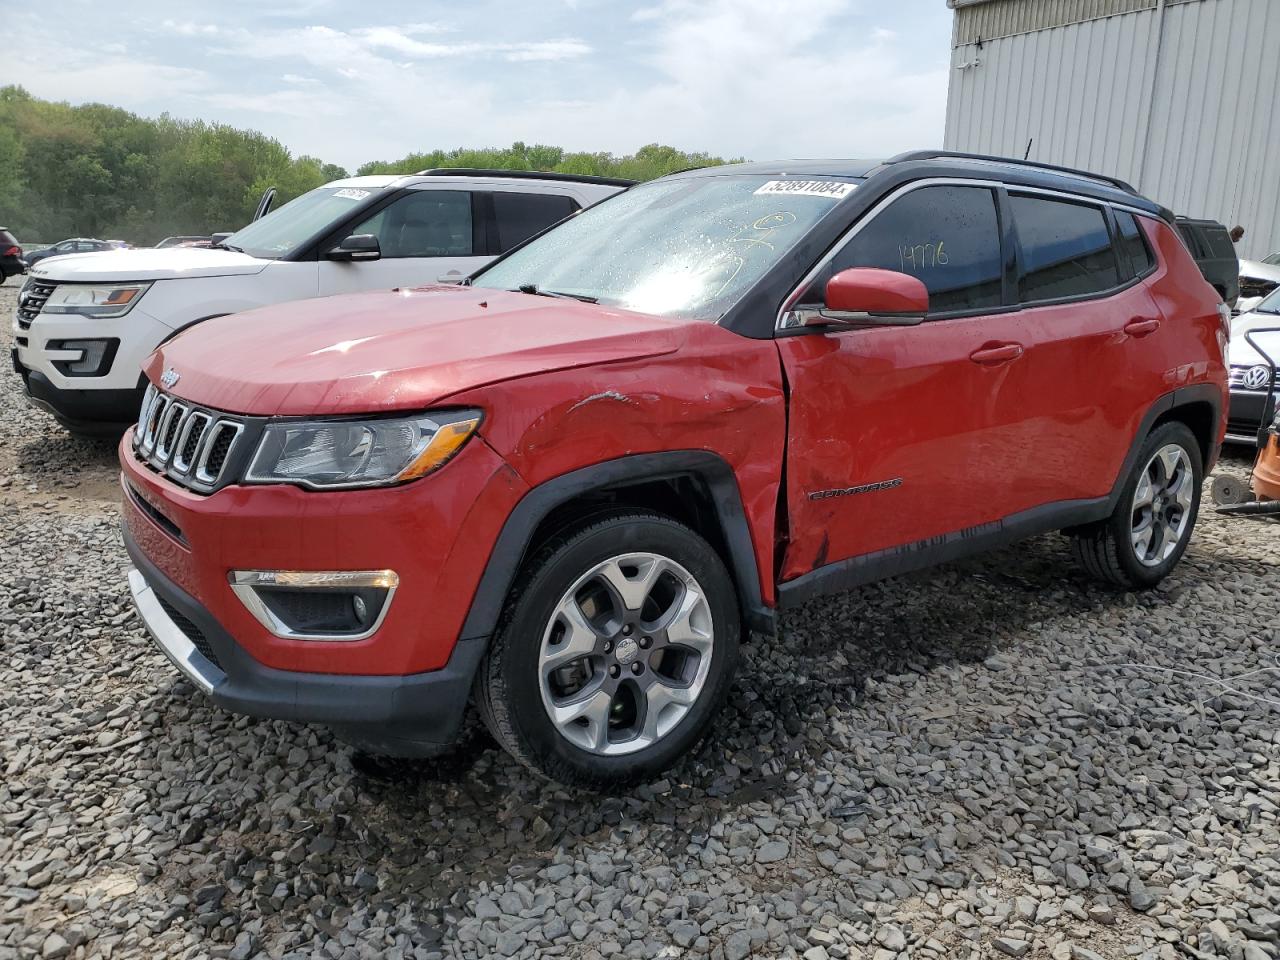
[1179, 97]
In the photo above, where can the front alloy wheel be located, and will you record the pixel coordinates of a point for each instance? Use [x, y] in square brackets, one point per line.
[615, 651]
[626, 654]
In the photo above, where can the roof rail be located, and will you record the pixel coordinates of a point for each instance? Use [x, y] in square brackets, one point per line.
[524, 175]
[954, 155]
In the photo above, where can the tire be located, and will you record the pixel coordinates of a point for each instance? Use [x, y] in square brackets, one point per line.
[1113, 550]
[635, 675]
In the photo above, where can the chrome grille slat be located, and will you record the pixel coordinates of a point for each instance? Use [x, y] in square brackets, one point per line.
[189, 444]
[168, 431]
[184, 450]
[206, 473]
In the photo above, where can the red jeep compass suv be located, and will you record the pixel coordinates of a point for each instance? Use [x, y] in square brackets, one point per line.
[566, 491]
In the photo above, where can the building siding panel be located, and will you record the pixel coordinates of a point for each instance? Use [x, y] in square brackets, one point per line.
[1199, 131]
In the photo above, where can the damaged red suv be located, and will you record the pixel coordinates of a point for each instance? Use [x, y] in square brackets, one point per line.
[566, 491]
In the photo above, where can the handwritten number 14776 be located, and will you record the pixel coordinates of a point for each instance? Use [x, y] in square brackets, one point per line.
[922, 256]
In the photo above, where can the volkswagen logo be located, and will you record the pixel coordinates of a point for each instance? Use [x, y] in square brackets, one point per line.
[1256, 377]
[169, 378]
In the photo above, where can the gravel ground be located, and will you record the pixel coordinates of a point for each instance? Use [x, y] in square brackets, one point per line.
[993, 758]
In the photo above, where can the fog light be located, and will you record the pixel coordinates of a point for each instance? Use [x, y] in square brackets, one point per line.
[338, 605]
[94, 360]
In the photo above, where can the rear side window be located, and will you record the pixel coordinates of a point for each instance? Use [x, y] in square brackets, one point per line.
[947, 236]
[518, 216]
[1133, 247]
[1066, 249]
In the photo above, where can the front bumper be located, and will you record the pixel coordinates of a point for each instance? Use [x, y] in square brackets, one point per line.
[436, 534]
[90, 412]
[415, 715]
[1245, 417]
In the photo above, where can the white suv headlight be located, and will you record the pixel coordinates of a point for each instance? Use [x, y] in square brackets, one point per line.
[336, 454]
[103, 300]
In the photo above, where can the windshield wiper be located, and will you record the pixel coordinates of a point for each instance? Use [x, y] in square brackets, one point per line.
[532, 288]
[227, 246]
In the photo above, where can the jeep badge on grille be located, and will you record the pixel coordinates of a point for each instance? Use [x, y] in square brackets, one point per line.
[169, 378]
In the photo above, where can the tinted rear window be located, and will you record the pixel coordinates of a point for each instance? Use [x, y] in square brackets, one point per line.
[8, 239]
[520, 215]
[1066, 249]
[1133, 246]
[1219, 243]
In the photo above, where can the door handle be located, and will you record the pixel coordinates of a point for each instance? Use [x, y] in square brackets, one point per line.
[1000, 353]
[1141, 326]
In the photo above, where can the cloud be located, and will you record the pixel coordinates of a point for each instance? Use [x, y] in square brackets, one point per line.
[325, 46]
[762, 79]
[747, 78]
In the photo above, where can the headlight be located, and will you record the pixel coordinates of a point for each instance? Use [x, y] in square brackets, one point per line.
[94, 299]
[331, 454]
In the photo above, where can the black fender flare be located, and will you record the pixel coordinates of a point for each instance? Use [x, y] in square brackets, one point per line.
[1182, 397]
[512, 544]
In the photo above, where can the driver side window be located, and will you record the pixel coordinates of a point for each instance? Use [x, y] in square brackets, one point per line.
[423, 223]
[947, 236]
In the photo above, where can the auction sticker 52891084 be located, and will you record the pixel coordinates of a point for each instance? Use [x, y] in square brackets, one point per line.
[831, 189]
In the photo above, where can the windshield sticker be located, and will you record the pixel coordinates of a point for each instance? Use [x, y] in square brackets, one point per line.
[351, 193]
[831, 189]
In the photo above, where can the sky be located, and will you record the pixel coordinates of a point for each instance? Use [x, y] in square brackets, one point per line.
[351, 82]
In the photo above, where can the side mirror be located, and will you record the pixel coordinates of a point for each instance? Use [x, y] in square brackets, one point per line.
[358, 246]
[871, 297]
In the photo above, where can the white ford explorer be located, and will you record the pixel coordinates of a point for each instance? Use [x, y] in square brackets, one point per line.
[85, 322]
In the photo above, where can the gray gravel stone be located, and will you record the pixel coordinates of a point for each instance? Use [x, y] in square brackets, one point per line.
[993, 750]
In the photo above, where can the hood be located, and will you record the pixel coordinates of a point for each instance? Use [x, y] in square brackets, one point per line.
[1259, 270]
[396, 350]
[167, 264]
[1241, 352]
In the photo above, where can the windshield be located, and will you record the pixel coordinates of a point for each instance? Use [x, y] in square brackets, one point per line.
[690, 247]
[1270, 303]
[282, 231]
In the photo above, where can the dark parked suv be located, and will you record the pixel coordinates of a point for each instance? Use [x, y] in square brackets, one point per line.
[1215, 255]
[11, 263]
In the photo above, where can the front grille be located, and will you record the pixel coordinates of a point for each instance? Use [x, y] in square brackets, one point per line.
[191, 631]
[31, 300]
[1248, 378]
[190, 445]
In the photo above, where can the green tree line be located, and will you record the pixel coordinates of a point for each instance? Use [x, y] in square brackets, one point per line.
[654, 160]
[99, 171]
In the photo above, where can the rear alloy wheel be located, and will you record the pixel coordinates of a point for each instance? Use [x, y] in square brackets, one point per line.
[1147, 534]
[614, 654]
[1162, 505]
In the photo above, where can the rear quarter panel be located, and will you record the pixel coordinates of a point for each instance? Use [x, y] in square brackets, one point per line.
[1195, 350]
